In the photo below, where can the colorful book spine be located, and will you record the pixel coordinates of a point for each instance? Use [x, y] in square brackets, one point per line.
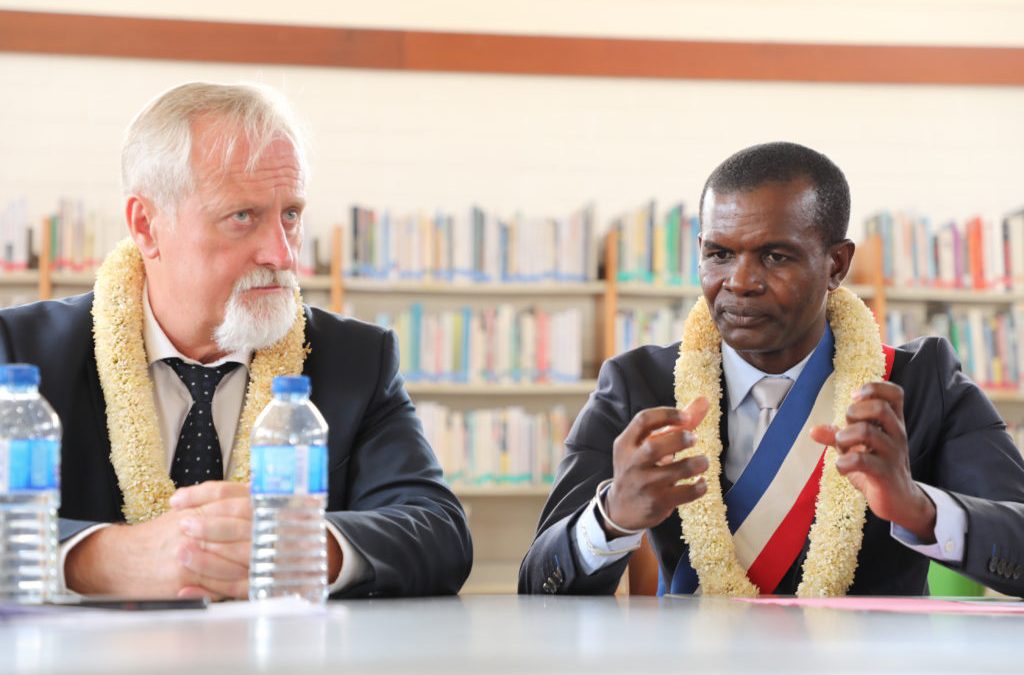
[496, 446]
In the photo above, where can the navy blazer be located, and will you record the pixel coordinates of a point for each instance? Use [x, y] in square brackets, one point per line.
[958, 443]
[385, 490]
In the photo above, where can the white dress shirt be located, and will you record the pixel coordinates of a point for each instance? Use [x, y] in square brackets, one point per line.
[595, 551]
[173, 402]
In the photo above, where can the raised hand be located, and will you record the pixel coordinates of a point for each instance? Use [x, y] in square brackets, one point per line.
[874, 455]
[644, 490]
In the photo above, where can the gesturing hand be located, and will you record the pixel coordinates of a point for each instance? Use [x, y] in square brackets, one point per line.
[874, 455]
[644, 490]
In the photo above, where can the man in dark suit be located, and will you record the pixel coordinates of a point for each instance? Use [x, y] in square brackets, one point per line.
[215, 177]
[925, 451]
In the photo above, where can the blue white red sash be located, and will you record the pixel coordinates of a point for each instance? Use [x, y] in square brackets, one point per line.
[771, 507]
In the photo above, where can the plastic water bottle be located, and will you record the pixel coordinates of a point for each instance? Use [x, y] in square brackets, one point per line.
[29, 487]
[289, 494]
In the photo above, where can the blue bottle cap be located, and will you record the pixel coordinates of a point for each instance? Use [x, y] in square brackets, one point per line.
[290, 384]
[19, 375]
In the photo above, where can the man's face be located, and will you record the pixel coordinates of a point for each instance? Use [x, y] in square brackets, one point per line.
[765, 271]
[235, 242]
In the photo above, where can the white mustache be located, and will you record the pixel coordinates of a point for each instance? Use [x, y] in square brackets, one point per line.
[261, 277]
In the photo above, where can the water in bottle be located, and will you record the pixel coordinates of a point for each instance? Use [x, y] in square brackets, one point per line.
[289, 494]
[29, 487]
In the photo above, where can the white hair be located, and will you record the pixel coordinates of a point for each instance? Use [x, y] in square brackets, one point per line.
[259, 322]
[156, 158]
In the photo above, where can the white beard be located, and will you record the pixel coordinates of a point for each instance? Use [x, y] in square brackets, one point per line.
[258, 322]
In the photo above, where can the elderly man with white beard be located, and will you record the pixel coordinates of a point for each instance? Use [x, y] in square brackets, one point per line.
[154, 490]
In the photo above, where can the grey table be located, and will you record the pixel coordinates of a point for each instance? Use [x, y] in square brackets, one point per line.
[510, 634]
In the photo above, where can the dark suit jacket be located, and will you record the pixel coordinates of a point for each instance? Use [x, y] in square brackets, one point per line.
[385, 491]
[957, 443]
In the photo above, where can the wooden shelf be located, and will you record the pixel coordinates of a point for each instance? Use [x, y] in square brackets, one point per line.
[569, 289]
[1005, 395]
[488, 491]
[25, 278]
[76, 279]
[642, 290]
[953, 296]
[583, 387]
[315, 282]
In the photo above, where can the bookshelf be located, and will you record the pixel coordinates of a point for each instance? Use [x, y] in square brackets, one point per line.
[503, 515]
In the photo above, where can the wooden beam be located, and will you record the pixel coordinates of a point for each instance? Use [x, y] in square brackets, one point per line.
[144, 38]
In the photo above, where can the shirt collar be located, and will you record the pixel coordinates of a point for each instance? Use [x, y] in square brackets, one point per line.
[159, 346]
[740, 376]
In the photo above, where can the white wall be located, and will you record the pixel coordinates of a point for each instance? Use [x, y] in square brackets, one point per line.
[541, 144]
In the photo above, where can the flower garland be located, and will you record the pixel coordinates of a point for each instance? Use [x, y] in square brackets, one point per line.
[136, 449]
[837, 532]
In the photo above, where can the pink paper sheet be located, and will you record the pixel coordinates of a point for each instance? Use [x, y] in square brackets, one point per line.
[905, 605]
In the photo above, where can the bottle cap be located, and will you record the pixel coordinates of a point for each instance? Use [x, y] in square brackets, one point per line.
[290, 384]
[19, 375]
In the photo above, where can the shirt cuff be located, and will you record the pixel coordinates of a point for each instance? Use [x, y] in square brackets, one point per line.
[593, 550]
[950, 529]
[65, 548]
[354, 567]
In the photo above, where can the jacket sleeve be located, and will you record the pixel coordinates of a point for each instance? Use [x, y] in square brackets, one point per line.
[551, 564]
[977, 463]
[409, 526]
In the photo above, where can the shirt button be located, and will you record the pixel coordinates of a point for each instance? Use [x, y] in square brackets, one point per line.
[950, 546]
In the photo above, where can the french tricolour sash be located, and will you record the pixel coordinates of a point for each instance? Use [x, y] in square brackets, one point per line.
[771, 507]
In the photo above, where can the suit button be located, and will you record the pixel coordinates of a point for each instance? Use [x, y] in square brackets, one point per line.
[558, 576]
[1001, 567]
[1016, 572]
[549, 587]
[992, 565]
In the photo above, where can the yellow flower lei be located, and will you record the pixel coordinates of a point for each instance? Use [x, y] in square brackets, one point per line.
[136, 449]
[837, 532]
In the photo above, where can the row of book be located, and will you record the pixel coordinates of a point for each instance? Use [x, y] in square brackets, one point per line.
[661, 251]
[637, 327]
[497, 446]
[975, 254]
[477, 246]
[500, 344]
[988, 341]
[80, 238]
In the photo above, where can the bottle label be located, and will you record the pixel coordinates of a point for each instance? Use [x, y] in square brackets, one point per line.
[289, 469]
[29, 465]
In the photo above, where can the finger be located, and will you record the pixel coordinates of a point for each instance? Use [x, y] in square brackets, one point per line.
[824, 434]
[236, 507]
[649, 420]
[684, 494]
[684, 469]
[868, 435]
[886, 391]
[861, 462]
[876, 411]
[660, 448]
[238, 552]
[217, 529]
[208, 492]
[206, 565]
[224, 589]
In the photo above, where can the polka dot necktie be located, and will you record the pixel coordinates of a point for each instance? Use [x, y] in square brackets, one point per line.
[197, 457]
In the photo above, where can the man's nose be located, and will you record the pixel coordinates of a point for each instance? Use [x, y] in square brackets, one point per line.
[276, 249]
[745, 277]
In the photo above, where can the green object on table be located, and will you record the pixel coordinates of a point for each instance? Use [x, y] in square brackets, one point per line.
[945, 582]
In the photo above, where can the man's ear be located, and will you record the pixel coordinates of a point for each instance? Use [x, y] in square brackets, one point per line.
[840, 257]
[141, 213]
